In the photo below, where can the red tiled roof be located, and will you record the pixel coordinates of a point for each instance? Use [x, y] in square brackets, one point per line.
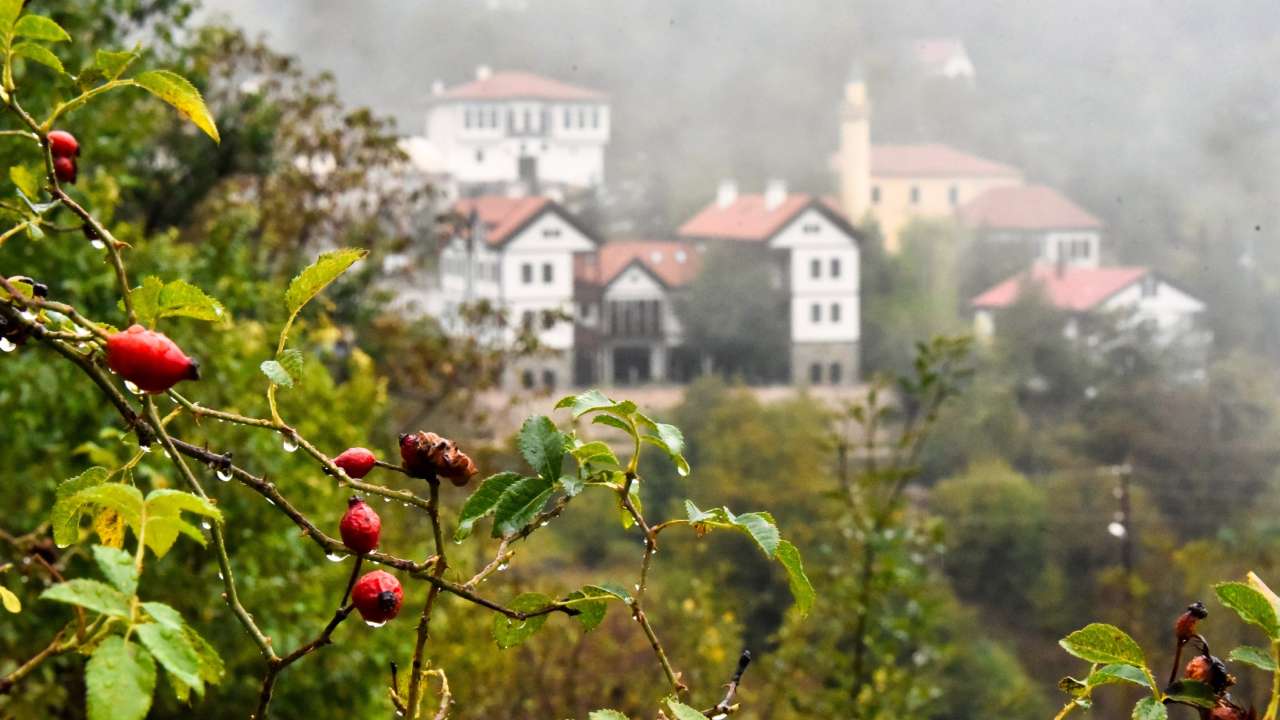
[746, 218]
[510, 85]
[1026, 207]
[501, 216]
[1075, 289]
[934, 159]
[674, 263]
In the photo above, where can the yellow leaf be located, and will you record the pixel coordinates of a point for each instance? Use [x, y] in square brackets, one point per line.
[110, 528]
[9, 600]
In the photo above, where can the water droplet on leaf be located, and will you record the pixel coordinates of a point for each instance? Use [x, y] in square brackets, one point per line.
[132, 388]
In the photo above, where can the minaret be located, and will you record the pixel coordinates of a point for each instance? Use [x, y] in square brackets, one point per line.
[855, 147]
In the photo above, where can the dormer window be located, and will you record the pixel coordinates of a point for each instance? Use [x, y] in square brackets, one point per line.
[551, 232]
[811, 228]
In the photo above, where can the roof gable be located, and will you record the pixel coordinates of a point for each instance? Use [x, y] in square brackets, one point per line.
[519, 85]
[505, 217]
[1075, 289]
[1026, 207]
[671, 263]
[750, 218]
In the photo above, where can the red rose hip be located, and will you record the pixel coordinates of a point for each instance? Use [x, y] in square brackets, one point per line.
[64, 168]
[356, 461]
[149, 360]
[377, 595]
[360, 527]
[63, 144]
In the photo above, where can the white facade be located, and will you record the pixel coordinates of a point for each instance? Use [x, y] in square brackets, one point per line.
[1081, 248]
[823, 262]
[637, 283]
[1170, 312]
[496, 141]
[529, 275]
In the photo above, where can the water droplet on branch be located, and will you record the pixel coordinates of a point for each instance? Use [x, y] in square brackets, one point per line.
[6, 345]
[224, 474]
[373, 624]
[335, 557]
[289, 444]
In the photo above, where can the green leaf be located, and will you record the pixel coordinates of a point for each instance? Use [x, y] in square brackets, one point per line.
[9, 600]
[26, 180]
[542, 446]
[1148, 708]
[276, 373]
[483, 502]
[156, 299]
[610, 589]
[680, 711]
[596, 454]
[118, 567]
[171, 503]
[211, 667]
[182, 95]
[595, 401]
[1255, 656]
[292, 361]
[519, 504]
[606, 714]
[571, 484]
[9, 10]
[39, 27]
[164, 615]
[592, 604]
[614, 422]
[39, 53]
[113, 63]
[89, 78]
[66, 513]
[509, 633]
[1104, 644]
[761, 529]
[318, 275]
[1251, 605]
[162, 533]
[174, 652]
[126, 500]
[120, 678]
[801, 589]
[90, 594]
[1192, 692]
[671, 440]
[1115, 673]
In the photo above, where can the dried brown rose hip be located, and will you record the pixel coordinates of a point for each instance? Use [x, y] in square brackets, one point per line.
[356, 461]
[360, 527]
[149, 360]
[377, 595]
[1185, 627]
[427, 455]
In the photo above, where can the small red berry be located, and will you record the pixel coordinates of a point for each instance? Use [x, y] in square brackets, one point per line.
[356, 461]
[427, 455]
[63, 144]
[360, 527]
[149, 360]
[64, 168]
[377, 595]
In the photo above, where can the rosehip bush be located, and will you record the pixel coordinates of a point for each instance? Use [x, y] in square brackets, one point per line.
[129, 641]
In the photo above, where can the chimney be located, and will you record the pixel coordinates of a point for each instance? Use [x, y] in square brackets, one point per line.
[483, 72]
[726, 193]
[775, 192]
[437, 87]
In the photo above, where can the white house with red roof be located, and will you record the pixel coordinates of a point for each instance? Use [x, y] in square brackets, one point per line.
[507, 129]
[1037, 223]
[1136, 295]
[816, 253]
[628, 331]
[519, 254]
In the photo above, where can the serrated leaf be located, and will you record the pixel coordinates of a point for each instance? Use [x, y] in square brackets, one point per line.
[120, 678]
[670, 439]
[571, 484]
[9, 600]
[1252, 580]
[90, 594]
[1251, 605]
[606, 714]
[519, 504]
[611, 589]
[117, 567]
[597, 454]
[595, 401]
[482, 502]
[327, 268]
[1104, 644]
[174, 651]
[113, 63]
[591, 605]
[801, 589]
[542, 446]
[1192, 692]
[276, 373]
[89, 77]
[508, 632]
[39, 27]
[182, 95]
[126, 500]
[292, 361]
[25, 179]
[156, 299]
[1148, 708]
[211, 666]
[1115, 673]
[9, 10]
[40, 54]
[760, 527]
[613, 422]
[1255, 656]
[162, 533]
[171, 503]
[680, 711]
[66, 513]
[164, 615]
